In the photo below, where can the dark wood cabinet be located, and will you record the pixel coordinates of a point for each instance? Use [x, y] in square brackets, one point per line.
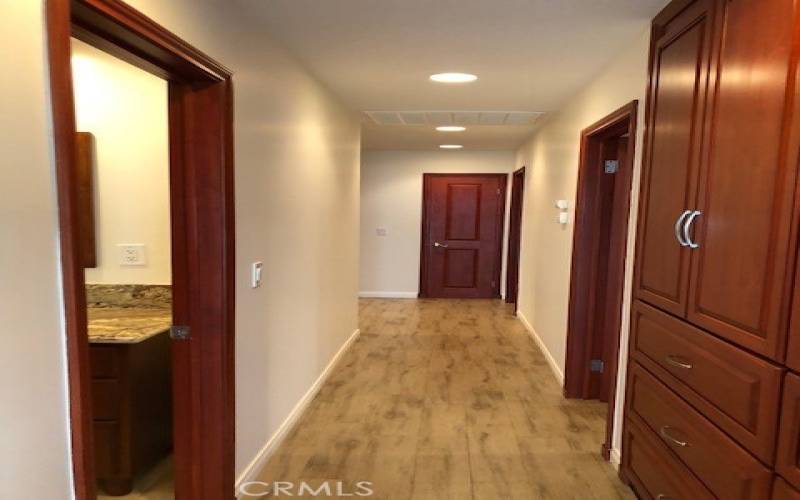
[736, 390]
[788, 461]
[652, 471]
[680, 57]
[132, 409]
[722, 465]
[782, 491]
[713, 326]
[714, 236]
[746, 196]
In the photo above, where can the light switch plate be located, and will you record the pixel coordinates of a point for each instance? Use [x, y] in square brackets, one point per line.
[255, 275]
[132, 254]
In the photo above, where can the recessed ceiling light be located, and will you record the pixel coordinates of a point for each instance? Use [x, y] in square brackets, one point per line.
[453, 77]
[451, 128]
[451, 146]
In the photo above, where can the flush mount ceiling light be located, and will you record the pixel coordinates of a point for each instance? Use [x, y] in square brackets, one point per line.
[451, 128]
[453, 77]
[451, 146]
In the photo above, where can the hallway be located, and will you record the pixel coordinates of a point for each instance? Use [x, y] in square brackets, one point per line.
[447, 399]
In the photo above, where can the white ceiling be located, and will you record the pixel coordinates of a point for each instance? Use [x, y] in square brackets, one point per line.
[529, 55]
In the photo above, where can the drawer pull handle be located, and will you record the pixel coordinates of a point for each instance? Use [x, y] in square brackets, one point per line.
[665, 434]
[662, 496]
[678, 363]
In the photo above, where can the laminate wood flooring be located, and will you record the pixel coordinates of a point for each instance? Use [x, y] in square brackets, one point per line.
[447, 400]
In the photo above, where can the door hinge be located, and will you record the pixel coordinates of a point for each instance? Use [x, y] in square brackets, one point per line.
[597, 365]
[611, 166]
[180, 332]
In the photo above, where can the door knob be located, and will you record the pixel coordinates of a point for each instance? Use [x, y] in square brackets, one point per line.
[440, 245]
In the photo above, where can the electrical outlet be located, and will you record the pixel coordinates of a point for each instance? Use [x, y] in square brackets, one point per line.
[381, 231]
[132, 255]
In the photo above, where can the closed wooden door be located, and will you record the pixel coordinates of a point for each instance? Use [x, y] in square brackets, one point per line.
[462, 235]
[680, 52]
[744, 209]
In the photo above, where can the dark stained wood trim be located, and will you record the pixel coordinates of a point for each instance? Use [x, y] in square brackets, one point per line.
[202, 198]
[585, 240]
[424, 240]
[77, 341]
[514, 237]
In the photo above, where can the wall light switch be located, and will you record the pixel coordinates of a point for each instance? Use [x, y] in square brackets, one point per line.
[255, 280]
[381, 231]
[132, 255]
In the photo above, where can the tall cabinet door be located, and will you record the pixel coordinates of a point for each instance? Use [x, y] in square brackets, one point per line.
[745, 204]
[680, 55]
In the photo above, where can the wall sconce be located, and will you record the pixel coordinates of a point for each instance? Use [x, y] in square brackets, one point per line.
[563, 211]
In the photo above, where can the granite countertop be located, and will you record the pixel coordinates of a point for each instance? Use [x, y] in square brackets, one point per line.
[126, 325]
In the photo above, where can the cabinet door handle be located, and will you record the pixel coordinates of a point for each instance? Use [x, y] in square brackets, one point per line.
[665, 434]
[440, 245]
[678, 225]
[662, 496]
[677, 362]
[687, 228]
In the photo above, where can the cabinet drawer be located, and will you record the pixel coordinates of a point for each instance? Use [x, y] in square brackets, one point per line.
[653, 471]
[782, 491]
[103, 361]
[106, 400]
[737, 391]
[788, 463]
[721, 465]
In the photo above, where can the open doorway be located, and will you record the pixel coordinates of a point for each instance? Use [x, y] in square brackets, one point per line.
[124, 197]
[193, 414]
[514, 237]
[598, 260]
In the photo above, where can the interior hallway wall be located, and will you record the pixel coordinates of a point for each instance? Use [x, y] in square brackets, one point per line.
[297, 196]
[552, 156]
[125, 108]
[34, 430]
[391, 199]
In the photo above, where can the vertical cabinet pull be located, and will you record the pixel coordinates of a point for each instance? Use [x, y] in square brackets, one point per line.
[687, 229]
[678, 227]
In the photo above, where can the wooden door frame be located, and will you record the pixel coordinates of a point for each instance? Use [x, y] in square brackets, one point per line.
[514, 237]
[584, 256]
[202, 216]
[425, 241]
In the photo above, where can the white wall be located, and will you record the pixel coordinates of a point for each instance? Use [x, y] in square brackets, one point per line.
[125, 108]
[297, 177]
[34, 444]
[391, 198]
[552, 160]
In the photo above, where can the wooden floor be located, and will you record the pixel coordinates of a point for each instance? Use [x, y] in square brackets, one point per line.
[447, 399]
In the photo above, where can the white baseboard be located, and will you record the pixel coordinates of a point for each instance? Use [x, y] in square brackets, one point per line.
[616, 458]
[549, 357]
[388, 295]
[277, 438]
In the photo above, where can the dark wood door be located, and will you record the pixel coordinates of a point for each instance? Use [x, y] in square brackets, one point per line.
[680, 54]
[744, 209]
[514, 236]
[793, 352]
[462, 235]
[788, 461]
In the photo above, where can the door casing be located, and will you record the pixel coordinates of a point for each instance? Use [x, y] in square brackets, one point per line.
[202, 220]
